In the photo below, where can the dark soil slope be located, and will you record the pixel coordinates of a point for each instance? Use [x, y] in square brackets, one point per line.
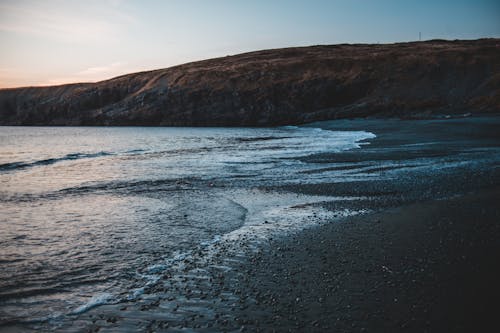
[275, 87]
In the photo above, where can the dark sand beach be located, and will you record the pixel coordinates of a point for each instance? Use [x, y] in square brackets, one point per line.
[425, 267]
[425, 260]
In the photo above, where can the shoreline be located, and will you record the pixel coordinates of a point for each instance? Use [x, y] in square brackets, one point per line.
[428, 266]
[395, 268]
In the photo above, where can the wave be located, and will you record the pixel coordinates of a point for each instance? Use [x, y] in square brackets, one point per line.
[134, 186]
[123, 187]
[69, 157]
[97, 300]
[261, 138]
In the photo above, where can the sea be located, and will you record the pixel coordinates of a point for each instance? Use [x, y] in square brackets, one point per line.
[94, 215]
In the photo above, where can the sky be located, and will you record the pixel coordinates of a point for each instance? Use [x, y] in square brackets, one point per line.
[63, 41]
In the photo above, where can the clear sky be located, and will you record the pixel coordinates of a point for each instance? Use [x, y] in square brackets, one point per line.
[44, 42]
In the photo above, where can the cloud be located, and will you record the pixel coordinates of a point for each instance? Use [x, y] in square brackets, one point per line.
[11, 77]
[94, 74]
[68, 21]
[99, 70]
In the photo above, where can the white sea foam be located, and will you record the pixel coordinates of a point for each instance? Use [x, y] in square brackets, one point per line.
[96, 300]
[214, 240]
[153, 269]
[271, 214]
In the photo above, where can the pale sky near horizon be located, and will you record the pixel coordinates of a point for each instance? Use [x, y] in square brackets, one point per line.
[63, 41]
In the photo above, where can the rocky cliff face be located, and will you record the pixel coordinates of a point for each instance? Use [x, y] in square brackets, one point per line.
[276, 87]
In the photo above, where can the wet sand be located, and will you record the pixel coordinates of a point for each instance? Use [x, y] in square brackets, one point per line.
[425, 267]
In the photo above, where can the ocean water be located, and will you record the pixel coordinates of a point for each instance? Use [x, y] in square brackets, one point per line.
[92, 216]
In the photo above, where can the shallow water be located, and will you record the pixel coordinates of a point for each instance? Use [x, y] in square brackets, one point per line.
[91, 215]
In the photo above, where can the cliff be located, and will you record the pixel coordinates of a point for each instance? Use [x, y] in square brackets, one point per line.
[276, 87]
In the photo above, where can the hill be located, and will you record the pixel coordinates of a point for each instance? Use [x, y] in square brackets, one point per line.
[277, 87]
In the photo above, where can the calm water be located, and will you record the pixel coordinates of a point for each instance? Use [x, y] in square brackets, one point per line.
[88, 215]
